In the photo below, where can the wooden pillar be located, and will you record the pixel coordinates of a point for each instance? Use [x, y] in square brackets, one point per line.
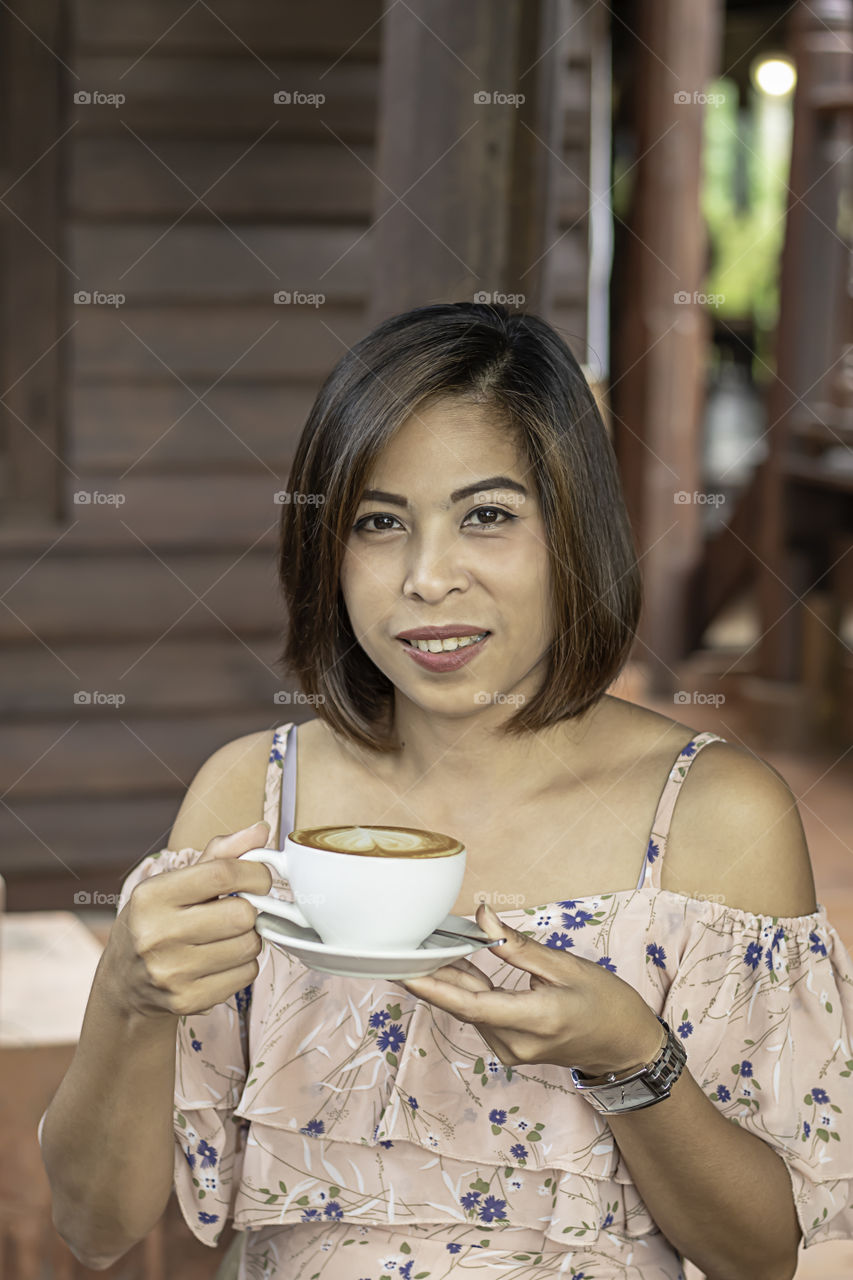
[465, 197]
[808, 338]
[36, 277]
[659, 399]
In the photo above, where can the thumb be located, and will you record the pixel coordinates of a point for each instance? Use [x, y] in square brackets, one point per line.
[237, 842]
[521, 951]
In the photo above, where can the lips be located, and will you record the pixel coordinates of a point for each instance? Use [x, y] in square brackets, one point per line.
[441, 633]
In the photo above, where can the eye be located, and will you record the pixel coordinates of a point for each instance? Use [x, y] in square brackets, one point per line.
[361, 526]
[493, 524]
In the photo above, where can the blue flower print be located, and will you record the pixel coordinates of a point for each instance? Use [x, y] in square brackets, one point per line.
[568, 903]
[723, 1093]
[243, 998]
[607, 1221]
[519, 1151]
[777, 938]
[208, 1217]
[190, 1159]
[559, 941]
[746, 1068]
[310, 1215]
[652, 851]
[314, 1128]
[333, 1210]
[469, 1200]
[817, 946]
[454, 1248]
[607, 963]
[820, 1096]
[207, 1153]
[806, 1128]
[657, 954]
[378, 1019]
[492, 1208]
[413, 1103]
[276, 754]
[768, 960]
[753, 954]
[685, 1030]
[497, 1117]
[386, 1144]
[196, 1044]
[406, 1270]
[578, 920]
[392, 1037]
[689, 750]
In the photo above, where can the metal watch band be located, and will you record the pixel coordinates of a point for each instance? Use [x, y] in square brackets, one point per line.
[640, 1087]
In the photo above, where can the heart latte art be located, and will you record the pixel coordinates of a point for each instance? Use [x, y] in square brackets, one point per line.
[378, 842]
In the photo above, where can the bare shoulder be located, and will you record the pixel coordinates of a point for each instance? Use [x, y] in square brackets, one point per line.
[736, 835]
[226, 794]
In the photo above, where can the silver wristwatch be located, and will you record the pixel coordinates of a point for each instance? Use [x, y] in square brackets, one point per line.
[640, 1086]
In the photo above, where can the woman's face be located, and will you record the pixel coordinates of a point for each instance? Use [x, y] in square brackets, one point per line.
[422, 554]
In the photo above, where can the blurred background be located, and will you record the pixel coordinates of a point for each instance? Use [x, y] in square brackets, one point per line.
[203, 206]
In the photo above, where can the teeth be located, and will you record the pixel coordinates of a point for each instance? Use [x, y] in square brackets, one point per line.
[446, 646]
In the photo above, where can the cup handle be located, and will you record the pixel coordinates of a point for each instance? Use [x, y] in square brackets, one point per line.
[289, 910]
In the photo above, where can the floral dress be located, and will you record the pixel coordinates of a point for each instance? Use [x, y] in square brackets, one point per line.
[356, 1132]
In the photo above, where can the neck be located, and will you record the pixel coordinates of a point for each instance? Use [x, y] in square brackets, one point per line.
[466, 755]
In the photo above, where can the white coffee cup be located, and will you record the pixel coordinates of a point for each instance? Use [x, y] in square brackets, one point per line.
[385, 890]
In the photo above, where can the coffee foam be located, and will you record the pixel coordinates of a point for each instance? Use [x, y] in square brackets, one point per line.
[379, 842]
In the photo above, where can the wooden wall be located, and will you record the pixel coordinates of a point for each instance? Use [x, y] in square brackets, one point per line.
[197, 198]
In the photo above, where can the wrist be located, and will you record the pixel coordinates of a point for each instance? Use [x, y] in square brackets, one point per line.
[642, 1043]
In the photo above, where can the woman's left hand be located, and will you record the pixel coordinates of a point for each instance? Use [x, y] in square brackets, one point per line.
[575, 1013]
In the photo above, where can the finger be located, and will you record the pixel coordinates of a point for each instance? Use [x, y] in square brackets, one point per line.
[233, 843]
[207, 881]
[217, 920]
[470, 981]
[220, 957]
[496, 1008]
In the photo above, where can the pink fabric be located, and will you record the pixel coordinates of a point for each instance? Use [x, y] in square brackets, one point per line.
[346, 1124]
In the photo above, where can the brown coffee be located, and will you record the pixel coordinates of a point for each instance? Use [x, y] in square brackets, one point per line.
[378, 842]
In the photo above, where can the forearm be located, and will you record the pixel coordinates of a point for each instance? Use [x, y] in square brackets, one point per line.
[721, 1195]
[107, 1139]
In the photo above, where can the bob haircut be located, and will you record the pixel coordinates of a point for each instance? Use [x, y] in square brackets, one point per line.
[516, 365]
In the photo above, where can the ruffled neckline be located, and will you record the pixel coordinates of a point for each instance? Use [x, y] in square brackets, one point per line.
[737, 913]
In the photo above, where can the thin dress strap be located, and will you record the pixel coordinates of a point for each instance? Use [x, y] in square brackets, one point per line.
[288, 788]
[656, 848]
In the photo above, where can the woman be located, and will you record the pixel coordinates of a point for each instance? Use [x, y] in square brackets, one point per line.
[454, 473]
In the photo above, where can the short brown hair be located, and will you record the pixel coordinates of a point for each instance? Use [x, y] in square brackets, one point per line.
[519, 366]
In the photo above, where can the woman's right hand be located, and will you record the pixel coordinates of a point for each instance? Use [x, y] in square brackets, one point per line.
[178, 946]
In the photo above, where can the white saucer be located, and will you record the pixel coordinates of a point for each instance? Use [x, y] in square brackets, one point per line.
[433, 952]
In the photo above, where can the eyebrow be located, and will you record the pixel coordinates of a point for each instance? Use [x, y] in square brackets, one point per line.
[493, 482]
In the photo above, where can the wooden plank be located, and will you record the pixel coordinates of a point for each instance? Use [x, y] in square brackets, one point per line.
[165, 344]
[227, 97]
[158, 262]
[164, 427]
[34, 275]
[178, 677]
[65, 596]
[313, 181]
[256, 30]
[111, 755]
[225, 510]
[44, 836]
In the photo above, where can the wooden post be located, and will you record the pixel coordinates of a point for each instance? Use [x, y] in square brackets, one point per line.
[475, 179]
[660, 396]
[807, 339]
[35, 277]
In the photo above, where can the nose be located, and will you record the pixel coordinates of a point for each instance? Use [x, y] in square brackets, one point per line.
[434, 567]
